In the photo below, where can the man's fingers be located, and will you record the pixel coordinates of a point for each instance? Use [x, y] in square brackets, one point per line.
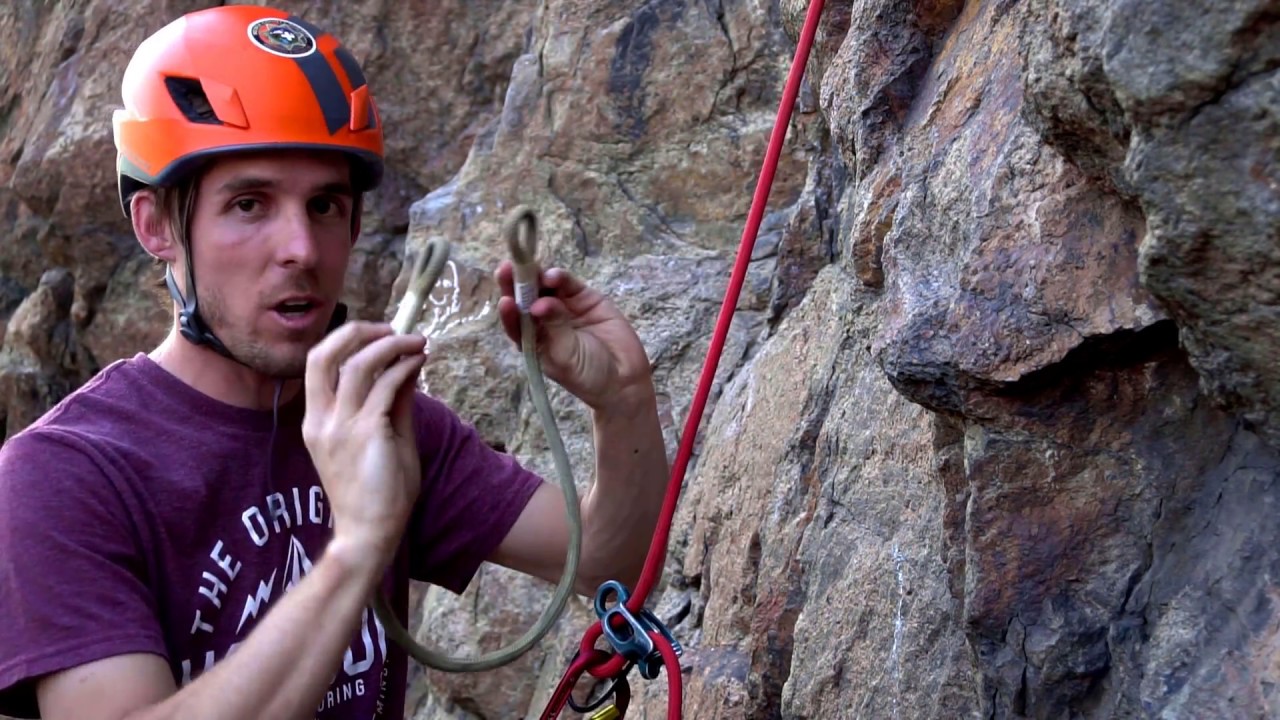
[505, 277]
[402, 406]
[362, 369]
[381, 397]
[509, 314]
[558, 288]
[325, 359]
[565, 283]
[550, 311]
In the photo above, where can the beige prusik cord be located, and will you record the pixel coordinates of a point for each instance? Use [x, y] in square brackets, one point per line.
[520, 229]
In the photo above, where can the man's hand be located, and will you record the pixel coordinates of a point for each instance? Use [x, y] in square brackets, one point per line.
[358, 428]
[584, 342]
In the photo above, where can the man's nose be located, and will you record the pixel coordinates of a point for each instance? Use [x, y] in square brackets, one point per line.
[298, 244]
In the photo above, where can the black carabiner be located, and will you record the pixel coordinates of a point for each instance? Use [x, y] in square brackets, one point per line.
[619, 685]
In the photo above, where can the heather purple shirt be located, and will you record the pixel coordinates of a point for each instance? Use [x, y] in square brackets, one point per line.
[140, 515]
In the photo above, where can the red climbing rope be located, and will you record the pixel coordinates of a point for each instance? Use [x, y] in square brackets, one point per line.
[589, 658]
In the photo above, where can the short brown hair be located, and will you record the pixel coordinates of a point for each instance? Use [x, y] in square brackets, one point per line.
[175, 203]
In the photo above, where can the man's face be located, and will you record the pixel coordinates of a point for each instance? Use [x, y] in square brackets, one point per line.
[271, 236]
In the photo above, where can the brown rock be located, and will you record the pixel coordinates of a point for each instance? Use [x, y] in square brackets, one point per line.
[804, 608]
[1034, 261]
[20, 262]
[1185, 119]
[1013, 306]
[41, 359]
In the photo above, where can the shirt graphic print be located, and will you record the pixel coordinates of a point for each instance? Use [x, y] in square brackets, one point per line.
[269, 551]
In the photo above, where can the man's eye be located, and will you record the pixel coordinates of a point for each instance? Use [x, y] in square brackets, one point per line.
[246, 204]
[325, 206]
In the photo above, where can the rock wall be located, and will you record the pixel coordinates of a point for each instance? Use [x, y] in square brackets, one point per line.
[997, 430]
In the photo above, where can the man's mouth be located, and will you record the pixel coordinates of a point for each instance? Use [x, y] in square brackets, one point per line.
[298, 311]
[295, 308]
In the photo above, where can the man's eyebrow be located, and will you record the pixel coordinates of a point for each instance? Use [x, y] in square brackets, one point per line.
[336, 187]
[246, 184]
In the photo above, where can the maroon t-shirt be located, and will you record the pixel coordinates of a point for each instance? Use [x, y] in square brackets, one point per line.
[140, 515]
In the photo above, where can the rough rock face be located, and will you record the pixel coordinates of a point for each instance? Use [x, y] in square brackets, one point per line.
[41, 360]
[1007, 209]
[997, 429]
[1198, 148]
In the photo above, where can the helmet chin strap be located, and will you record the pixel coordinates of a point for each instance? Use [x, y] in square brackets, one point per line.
[190, 324]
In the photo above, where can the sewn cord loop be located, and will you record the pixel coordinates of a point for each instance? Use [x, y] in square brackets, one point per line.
[520, 228]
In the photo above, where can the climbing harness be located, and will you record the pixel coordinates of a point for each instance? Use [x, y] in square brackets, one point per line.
[638, 637]
[520, 229]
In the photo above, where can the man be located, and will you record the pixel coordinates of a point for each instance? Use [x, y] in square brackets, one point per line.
[197, 532]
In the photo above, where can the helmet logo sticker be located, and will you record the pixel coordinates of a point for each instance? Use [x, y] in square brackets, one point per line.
[282, 37]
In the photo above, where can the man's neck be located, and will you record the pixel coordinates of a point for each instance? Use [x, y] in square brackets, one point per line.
[219, 377]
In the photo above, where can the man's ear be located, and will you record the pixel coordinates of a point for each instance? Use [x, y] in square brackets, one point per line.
[151, 227]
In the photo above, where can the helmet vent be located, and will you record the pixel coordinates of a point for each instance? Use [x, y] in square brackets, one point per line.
[190, 97]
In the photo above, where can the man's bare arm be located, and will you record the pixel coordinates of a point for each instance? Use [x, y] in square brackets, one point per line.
[280, 671]
[620, 513]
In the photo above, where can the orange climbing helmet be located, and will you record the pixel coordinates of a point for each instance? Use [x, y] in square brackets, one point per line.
[241, 78]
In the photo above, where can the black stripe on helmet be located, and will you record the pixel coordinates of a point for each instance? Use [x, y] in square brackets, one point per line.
[334, 104]
[324, 83]
[355, 76]
[351, 67]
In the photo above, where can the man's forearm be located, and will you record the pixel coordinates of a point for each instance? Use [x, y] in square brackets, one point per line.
[284, 665]
[620, 512]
